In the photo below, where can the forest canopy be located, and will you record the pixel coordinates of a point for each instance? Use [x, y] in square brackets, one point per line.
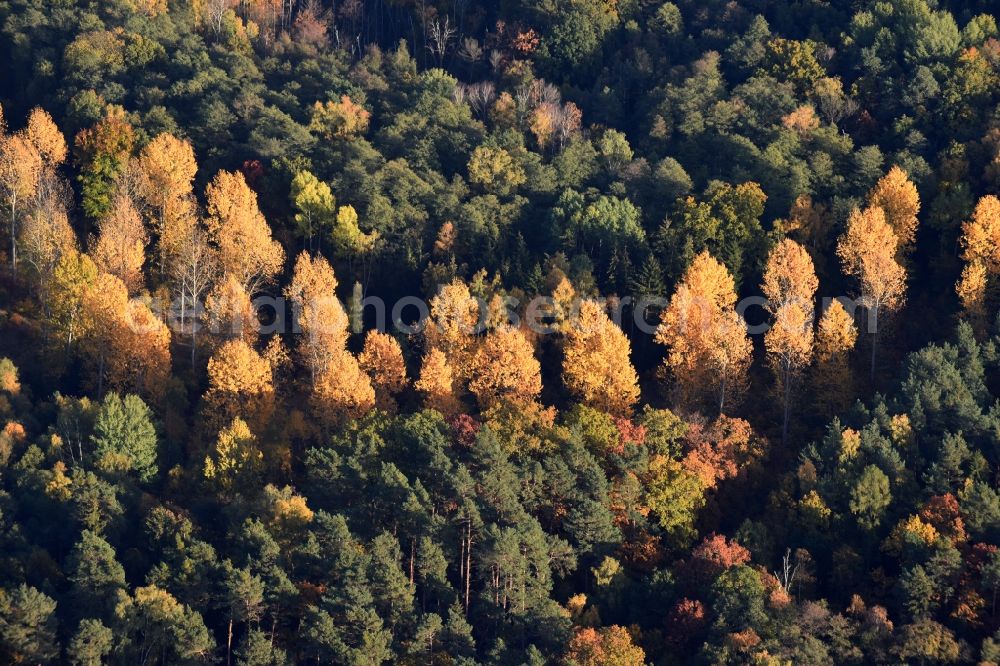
[577, 332]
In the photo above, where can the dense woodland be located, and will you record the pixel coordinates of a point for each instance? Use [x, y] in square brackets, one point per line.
[187, 476]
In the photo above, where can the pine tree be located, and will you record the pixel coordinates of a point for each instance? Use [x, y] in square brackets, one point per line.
[96, 575]
[28, 626]
[91, 643]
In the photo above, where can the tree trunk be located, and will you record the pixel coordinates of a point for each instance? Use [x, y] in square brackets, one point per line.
[788, 397]
[194, 337]
[229, 641]
[468, 565]
[874, 344]
[722, 394]
[13, 233]
[100, 376]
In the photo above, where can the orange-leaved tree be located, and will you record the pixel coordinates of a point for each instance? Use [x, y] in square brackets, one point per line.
[20, 170]
[120, 247]
[44, 135]
[239, 385]
[340, 388]
[229, 312]
[437, 383]
[604, 646]
[128, 342]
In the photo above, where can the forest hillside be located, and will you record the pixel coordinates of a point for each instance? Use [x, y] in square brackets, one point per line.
[571, 332]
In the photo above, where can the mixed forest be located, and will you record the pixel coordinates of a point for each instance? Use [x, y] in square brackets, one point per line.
[757, 417]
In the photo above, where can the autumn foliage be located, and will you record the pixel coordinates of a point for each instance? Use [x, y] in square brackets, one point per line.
[596, 361]
[240, 233]
[708, 350]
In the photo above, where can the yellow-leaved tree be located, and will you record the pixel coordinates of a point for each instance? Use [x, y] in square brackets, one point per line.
[67, 317]
[240, 233]
[504, 369]
[899, 200]
[867, 251]
[833, 381]
[981, 252]
[339, 388]
[597, 368]
[790, 285]
[46, 237]
[708, 347]
[166, 169]
[235, 462]
[451, 326]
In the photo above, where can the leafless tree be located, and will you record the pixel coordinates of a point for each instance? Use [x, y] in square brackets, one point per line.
[46, 233]
[480, 96]
[541, 92]
[440, 35]
[193, 271]
[786, 577]
[130, 184]
[470, 51]
[53, 195]
[568, 120]
[215, 11]
[496, 61]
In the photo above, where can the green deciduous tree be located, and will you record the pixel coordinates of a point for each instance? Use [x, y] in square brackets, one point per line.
[125, 437]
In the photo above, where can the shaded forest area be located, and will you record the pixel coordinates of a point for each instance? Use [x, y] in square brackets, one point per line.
[187, 477]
